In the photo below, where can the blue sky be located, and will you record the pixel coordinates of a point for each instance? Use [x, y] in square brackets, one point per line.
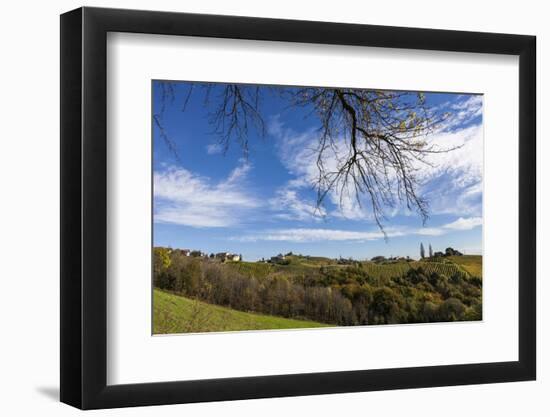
[259, 206]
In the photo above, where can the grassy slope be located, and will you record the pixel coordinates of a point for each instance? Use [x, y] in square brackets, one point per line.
[471, 263]
[298, 265]
[252, 269]
[176, 314]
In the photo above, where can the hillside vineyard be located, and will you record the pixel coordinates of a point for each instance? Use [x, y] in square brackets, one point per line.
[312, 291]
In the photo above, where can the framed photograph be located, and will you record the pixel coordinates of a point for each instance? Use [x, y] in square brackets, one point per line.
[257, 208]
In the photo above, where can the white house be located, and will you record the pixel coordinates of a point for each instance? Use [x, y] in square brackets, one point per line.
[227, 256]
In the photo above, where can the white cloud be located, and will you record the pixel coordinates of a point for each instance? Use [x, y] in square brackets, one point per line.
[303, 235]
[454, 184]
[451, 181]
[310, 235]
[465, 224]
[464, 111]
[429, 231]
[465, 162]
[238, 174]
[214, 148]
[298, 152]
[459, 224]
[288, 205]
[184, 198]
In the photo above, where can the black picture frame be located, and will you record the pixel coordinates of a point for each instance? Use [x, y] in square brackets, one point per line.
[84, 208]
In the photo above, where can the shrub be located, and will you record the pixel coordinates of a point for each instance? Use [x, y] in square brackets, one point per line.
[451, 309]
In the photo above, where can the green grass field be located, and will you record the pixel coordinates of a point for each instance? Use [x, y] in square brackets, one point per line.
[175, 314]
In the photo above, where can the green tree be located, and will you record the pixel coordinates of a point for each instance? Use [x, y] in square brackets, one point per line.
[452, 309]
[161, 262]
[384, 308]
[161, 259]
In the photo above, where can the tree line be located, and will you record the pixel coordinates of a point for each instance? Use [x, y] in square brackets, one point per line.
[342, 296]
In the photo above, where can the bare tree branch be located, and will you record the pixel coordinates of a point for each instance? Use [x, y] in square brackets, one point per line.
[370, 146]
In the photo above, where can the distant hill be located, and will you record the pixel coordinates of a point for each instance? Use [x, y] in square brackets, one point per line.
[177, 314]
[445, 267]
[293, 265]
[466, 265]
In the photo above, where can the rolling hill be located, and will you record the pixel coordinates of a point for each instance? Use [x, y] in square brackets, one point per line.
[466, 266]
[199, 294]
[471, 263]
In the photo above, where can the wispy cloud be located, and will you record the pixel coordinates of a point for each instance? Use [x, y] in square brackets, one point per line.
[288, 205]
[463, 110]
[451, 181]
[214, 148]
[306, 235]
[465, 224]
[459, 224]
[184, 198]
[454, 182]
[309, 235]
[298, 152]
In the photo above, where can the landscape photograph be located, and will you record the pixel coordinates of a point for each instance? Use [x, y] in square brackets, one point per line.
[301, 207]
